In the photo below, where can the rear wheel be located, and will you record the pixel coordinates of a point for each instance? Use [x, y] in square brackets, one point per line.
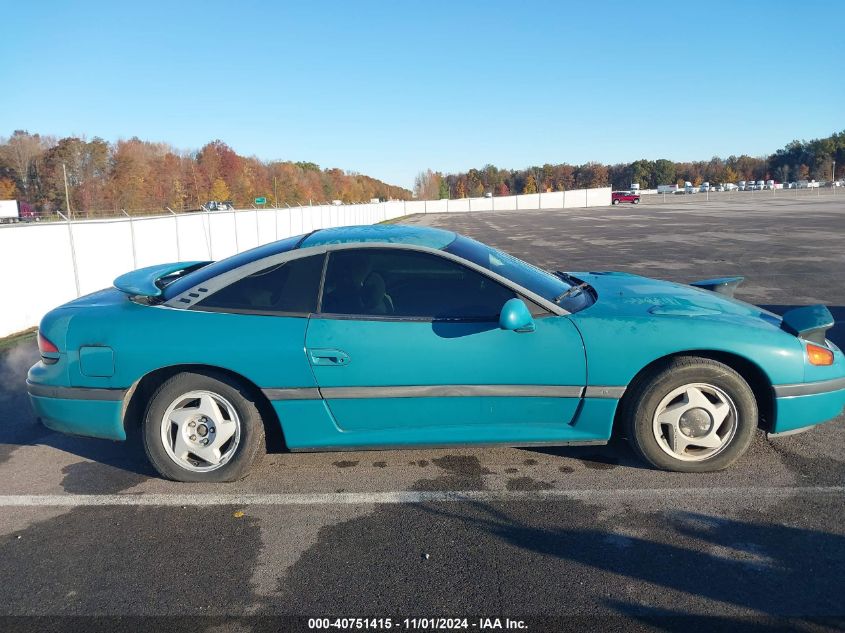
[690, 415]
[203, 427]
[615, 202]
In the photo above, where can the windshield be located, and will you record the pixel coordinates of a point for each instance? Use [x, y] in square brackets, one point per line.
[536, 280]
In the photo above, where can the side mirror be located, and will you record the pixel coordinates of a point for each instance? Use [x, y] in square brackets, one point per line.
[516, 317]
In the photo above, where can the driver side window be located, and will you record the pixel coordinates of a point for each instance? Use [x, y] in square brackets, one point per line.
[384, 282]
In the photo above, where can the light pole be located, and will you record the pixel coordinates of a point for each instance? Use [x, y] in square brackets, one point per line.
[67, 195]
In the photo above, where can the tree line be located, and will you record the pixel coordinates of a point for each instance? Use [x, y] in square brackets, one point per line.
[138, 175]
[799, 160]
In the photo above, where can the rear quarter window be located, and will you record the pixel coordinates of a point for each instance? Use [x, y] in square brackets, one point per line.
[287, 288]
[215, 269]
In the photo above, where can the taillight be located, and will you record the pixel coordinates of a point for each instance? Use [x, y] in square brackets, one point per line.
[46, 345]
[49, 351]
[819, 355]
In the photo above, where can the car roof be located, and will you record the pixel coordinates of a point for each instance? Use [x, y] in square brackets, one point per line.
[387, 233]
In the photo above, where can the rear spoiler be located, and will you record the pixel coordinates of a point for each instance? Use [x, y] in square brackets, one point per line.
[144, 281]
[808, 322]
[723, 285]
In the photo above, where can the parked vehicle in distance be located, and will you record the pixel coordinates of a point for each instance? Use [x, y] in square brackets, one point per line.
[690, 188]
[761, 184]
[12, 211]
[729, 186]
[488, 194]
[9, 212]
[742, 185]
[405, 336]
[667, 188]
[705, 187]
[718, 188]
[214, 205]
[624, 196]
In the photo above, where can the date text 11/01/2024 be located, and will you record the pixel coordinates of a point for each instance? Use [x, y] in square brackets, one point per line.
[416, 624]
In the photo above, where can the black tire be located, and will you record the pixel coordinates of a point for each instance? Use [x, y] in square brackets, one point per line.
[646, 393]
[615, 202]
[635, 201]
[250, 448]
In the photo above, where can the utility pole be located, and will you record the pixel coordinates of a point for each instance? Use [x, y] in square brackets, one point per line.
[67, 195]
[275, 194]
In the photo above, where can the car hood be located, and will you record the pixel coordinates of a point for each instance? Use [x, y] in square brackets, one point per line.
[624, 294]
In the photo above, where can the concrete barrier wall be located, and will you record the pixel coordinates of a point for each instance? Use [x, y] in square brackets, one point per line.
[458, 206]
[577, 198]
[505, 203]
[44, 265]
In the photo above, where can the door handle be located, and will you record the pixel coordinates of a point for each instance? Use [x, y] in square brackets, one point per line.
[329, 357]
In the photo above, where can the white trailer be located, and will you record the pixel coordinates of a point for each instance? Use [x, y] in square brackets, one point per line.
[9, 211]
[667, 188]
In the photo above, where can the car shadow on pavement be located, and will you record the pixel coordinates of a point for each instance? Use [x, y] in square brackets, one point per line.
[617, 452]
[749, 565]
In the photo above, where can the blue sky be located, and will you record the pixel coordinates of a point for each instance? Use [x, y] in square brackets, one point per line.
[390, 88]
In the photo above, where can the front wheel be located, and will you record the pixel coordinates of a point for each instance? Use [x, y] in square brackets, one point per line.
[635, 201]
[203, 427]
[690, 415]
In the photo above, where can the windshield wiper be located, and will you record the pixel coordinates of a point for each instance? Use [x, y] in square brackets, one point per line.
[571, 291]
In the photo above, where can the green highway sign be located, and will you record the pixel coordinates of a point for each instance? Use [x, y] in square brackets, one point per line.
[261, 201]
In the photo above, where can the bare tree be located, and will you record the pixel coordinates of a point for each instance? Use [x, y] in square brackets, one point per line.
[22, 150]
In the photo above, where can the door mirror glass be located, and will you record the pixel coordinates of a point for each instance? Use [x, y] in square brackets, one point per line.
[516, 317]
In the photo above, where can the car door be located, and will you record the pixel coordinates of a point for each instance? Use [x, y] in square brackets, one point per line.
[406, 349]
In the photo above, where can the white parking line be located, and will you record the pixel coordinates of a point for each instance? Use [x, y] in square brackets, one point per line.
[363, 498]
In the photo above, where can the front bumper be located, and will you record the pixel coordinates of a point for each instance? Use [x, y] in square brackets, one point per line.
[805, 404]
[79, 411]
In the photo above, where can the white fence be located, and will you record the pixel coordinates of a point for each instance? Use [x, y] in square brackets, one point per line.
[44, 265]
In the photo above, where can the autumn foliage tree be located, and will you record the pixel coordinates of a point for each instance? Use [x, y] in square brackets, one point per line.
[219, 190]
[8, 189]
[798, 160]
[140, 176]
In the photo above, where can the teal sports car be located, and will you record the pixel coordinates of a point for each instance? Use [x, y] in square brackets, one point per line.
[398, 336]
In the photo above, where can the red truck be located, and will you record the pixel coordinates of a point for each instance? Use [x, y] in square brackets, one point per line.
[625, 196]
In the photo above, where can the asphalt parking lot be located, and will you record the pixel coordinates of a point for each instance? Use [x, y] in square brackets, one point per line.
[583, 533]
